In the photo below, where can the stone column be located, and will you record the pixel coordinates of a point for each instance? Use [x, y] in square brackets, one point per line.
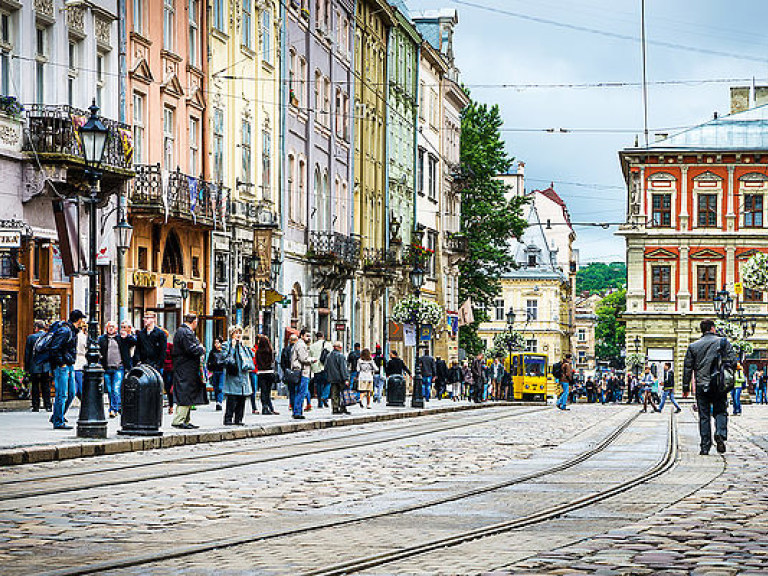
[730, 216]
[730, 265]
[684, 294]
[684, 216]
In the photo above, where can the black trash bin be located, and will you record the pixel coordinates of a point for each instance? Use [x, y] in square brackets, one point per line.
[142, 399]
[396, 390]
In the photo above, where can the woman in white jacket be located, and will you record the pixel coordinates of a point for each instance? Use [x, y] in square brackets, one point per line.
[366, 369]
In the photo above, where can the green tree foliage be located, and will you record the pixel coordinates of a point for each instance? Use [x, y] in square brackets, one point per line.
[599, 278]
[488, 219]
[609, 331]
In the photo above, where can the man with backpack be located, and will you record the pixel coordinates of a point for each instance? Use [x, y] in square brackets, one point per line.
[58, 348]
[563, 373]
[710, 358]
[39, 372]
[320, 349]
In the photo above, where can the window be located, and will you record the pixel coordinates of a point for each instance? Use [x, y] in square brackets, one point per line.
[169, 138]
[434, 110]
[218, 15]
[707, 283]
[138, 128]
[72, 65]
[220, 268]
[531, 259]
[499, 309]
[432, 189]
[432, 247]
[422, 101]
[218, 145]
[195, 266]
[707, 210]
[266, 164]
[194, 146]
[6, 51]
[318, 96]
[327, 102]
[420, 172]
[100, 74]
[662, 210]
[266, 36]
[143, 258]
[194, 31]
[173, 261]
[245, 147]
[582, 357]
[293, 200]
[582, 335]
[302, 92]
[41, 59]
[169, 14]
[752, 295]
[247, 25]
[532, 310]
[753, 210]
[531, 346]
[138, 16]
[661, 283]
[302, 191]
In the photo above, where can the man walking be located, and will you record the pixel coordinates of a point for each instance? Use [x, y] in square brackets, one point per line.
[301, 360]
[566, 375]
[39, 372]
[322, 388]
[115, 350]
[285, 366]
[63, 349]
[352, 359]
[700, 359]
[428, 372]
[188, 386]
[647, 386]
[338, 377]
[151, 343]
[668, 384]
[478, 378]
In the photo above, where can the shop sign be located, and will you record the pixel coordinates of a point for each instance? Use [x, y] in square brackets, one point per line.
[144, 279]
[341, 326]
[10, 238]
[395, 332]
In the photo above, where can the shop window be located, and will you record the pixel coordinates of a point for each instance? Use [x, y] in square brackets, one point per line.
[9, 305]
[7, 265]
[173, 261]
[47, 307]
[58, 266]
[143, 259]
[196, 303]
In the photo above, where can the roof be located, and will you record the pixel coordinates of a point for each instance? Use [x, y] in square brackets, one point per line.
[555, 197]
[534, 241]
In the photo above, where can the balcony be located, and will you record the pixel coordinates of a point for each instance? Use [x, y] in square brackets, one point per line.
[206, 207]
[334, 248]
[455, 242]
[380, 262]
[52, 136]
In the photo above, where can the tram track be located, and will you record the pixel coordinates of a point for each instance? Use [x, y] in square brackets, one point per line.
[29, 487]
[183, 552]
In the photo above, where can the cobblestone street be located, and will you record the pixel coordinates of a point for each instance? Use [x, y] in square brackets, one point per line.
[308, 501]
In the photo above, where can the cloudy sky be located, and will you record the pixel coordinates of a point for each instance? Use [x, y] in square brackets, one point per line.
[597, 41]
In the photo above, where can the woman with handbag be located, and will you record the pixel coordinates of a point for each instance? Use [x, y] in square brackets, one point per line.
[366, 369]
[265, 364]
[238, 363]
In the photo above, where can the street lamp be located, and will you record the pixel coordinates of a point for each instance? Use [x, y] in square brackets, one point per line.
[511, 328]
[182, 286]
[637, 351]
[255, 266]
[417, 281]
[277, 265]
[723, 304]
[91, 422]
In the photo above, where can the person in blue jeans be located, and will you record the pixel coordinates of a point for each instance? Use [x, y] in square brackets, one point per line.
[760, 388]
[215, 365]
[565, 382]
[301, 360]
[115, 350]
[62, 352]
[669, 387]
[739, 381]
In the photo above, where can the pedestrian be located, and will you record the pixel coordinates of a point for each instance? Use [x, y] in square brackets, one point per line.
[352, 360]
[428, 370]
[378, 379]
[454, 381]
[467, 380]
[441, 377]
[366, 368]
[188, 386]
[167, 372]
[81, 361]
[62, 351]
[39, 372]
[320, 349]
[337, 375]
[668, 387]
[151, 343]
[762, 385]
[739, 381]
[215, 365]
[497, 376]
[590, 387]
[115, 353]
[253, 375]
[565, 376]
[646, 389]
[265, 366]
[711, 401]
[301, 360]
[238, 360]
[478, 377]
[285, 366]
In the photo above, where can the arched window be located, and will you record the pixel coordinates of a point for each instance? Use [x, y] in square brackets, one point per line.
[327, 203]
[318, 206]
[173, 260]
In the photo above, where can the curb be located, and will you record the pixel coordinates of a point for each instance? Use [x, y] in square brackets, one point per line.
[86, 449]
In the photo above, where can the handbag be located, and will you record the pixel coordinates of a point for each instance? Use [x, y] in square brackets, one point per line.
[347, 398]
[292, 377]
[230, 364]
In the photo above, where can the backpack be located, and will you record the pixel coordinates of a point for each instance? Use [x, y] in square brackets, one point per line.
[43, 350]
[557, 370]
[722, 377]
[324, 355]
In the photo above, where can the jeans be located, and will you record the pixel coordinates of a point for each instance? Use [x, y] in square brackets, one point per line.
[760, 395]
[427, 386]
[712, 405]
[562, 401]
[64, 382]
[736, 397]
[217, 381]
[302, 393]
[168, 385]
[378, 387]
[668, 394]
[41, 387]
[322, 389]
[352, 378]
[254, 386]
[79, 383]
[112, 382]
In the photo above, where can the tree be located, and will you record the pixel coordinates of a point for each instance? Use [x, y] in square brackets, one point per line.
[488, 220]
[610, 331]
[599, 278]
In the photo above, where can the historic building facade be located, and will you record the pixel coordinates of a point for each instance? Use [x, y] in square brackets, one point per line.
[696, 213]
[583, 339]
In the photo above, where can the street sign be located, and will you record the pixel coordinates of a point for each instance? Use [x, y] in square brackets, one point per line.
[426, 332]
[286, 302]
[395, 332]
[738, 288]
[272, 297]
[341, 326]
[10, 238]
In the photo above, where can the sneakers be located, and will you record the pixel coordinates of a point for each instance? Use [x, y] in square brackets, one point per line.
[300, 417]
[63, 427]
[218, 408]
[704, 452]
[720, 442]
[678, 410]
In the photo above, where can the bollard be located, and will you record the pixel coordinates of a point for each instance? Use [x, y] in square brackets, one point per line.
[142, 402]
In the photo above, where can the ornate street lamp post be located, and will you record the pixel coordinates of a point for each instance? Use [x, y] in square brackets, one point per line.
[255, 265]
[91, 422]
[637, 351]
[723, 304]
[417, 281]
[511, 329]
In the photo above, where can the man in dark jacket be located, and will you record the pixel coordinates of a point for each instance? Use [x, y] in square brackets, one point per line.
[39, 372]
[285, 365]
[700, 359]
[115, 351]
[63, 351]
[151, 343]
[668, 384]
[352, 359]
[337, 376]
[478, 377]
[188, 385]
[441, 377]
[428, 373]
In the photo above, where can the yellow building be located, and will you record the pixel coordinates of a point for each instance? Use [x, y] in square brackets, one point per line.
[374, 17]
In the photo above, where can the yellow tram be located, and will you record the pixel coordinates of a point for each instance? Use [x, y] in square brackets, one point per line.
[529, 376]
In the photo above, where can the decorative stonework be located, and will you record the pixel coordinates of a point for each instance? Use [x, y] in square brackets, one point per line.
[44, 8]
[76, 18]
[10, 134]
[103, 30]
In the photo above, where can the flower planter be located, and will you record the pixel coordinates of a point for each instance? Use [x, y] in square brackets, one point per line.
[10, 133]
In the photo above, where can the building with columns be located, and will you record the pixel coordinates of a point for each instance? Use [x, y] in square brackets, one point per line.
[696, 213]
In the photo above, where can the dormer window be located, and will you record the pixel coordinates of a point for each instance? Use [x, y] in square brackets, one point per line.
[531, 259]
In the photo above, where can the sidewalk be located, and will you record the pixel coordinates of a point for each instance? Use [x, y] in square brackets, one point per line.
[28, 437]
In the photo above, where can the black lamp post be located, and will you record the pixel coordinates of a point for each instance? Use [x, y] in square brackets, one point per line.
[637, 351]
[255, 265]
[91, 422]
[417, 281]
[511, 329]
[277, 266]
[723, 304]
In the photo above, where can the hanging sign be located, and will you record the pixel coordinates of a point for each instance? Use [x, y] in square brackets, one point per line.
[409, 334]
[426, 332]
[395, 332]
[10, 238]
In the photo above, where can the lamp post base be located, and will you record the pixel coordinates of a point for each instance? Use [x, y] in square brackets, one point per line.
[91, 423]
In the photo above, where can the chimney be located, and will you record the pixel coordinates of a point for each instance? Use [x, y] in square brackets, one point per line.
[761, 95]
[739, 99]
[521, 168]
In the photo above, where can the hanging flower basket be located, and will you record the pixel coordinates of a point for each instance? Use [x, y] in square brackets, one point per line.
[754, 273]
[10, 106]
[411, 309]
[416, 254]
[635, 360]
[505, 342]
[733, 332]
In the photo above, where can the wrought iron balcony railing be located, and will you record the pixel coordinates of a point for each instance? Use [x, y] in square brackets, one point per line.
[380, 260]
[334, 248]
[457, 243]
[52, 132]
[181, 196]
